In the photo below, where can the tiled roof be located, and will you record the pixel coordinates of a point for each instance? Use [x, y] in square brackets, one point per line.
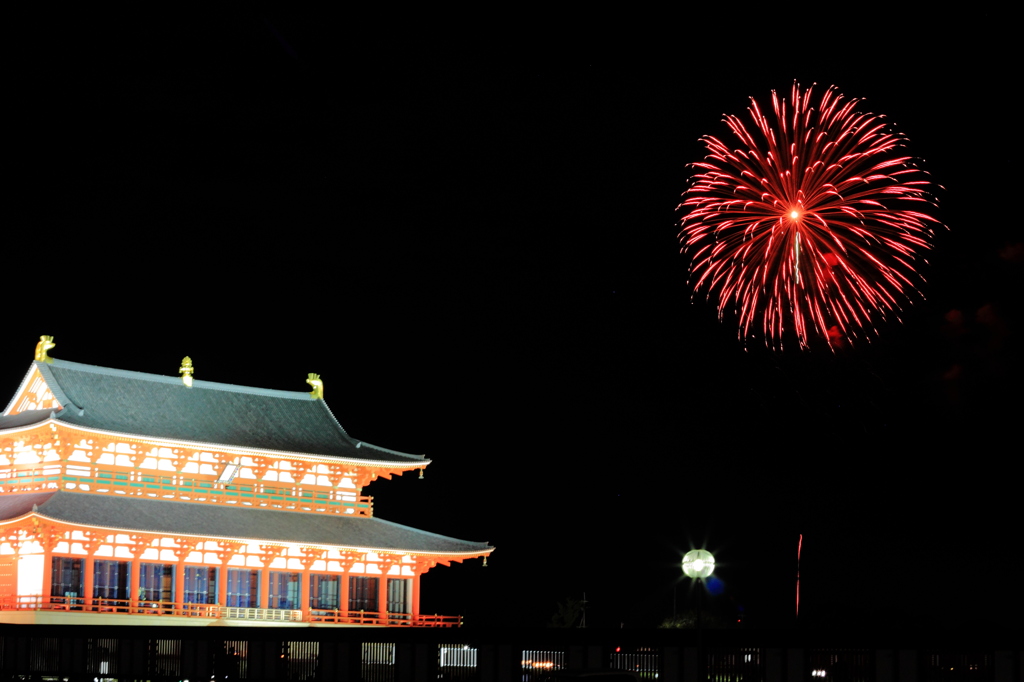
[162, 407]
[243, 523]
[12, 421]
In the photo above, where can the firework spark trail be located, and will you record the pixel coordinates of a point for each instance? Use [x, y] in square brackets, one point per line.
[805, 227]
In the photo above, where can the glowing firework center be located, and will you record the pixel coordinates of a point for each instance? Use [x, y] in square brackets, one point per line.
[698, 563]
[141, 499]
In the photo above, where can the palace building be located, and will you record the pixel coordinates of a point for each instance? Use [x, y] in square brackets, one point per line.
[143, 499]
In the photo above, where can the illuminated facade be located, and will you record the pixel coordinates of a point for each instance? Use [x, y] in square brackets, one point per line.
[137, 498]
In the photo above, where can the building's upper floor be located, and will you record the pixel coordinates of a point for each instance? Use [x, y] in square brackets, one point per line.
[109, 431]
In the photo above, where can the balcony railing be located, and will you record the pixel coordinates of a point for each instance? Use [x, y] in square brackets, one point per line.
[166, 608]
[384, 618]
[158, 485]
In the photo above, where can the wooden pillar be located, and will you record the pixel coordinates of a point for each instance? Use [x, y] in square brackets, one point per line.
[222, 583]
[179, 586]
[343, 595]
[44, 598]
[16, 568]
[180, 553]
[48, 537]
[90, 544]
[90, 580]
[415, 597]
[222, 575]
[264, 596]
[382, 586]
[136, 580]
[135, 576]
[304, 591]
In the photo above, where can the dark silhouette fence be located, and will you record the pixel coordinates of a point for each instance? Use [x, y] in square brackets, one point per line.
[361, 654]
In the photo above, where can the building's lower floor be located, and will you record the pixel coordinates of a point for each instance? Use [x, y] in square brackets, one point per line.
[81, 553]
[112, 587]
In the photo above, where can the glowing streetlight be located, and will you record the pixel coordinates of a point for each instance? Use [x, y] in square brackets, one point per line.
[698, 563]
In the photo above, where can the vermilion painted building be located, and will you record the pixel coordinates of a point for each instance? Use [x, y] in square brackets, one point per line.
[137, 498]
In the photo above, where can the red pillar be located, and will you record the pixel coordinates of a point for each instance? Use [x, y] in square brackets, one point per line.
[264, 585]
[136, 580]
[90, 580]
[304, 592]
[179, 586]
[415, 605]
[382, 584]
[343, 595]
[44, 598]
[222, 583]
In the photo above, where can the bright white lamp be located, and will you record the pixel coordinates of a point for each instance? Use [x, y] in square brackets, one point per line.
[698, 563]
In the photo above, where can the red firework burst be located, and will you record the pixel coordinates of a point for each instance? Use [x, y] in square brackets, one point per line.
[813, 226]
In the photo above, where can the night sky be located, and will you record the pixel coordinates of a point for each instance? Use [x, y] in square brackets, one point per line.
[475, 246]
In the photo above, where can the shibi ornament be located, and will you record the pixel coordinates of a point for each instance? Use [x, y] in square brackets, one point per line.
[811, 222]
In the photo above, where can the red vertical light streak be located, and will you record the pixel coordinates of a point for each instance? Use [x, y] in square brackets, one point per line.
[799, 546]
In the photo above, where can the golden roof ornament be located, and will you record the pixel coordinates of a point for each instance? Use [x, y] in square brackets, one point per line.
[318, 386]
[45, 344]
[186, 370]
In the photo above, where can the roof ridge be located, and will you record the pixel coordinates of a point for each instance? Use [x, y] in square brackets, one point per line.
[21, 387]
[173, 380]
[338, 423]
[363, 444]
[360, 443]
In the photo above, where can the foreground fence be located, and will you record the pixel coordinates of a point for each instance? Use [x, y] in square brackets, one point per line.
[115, 653]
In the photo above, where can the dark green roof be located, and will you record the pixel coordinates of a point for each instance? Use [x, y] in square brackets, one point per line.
[156, 406]
[243, 523]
